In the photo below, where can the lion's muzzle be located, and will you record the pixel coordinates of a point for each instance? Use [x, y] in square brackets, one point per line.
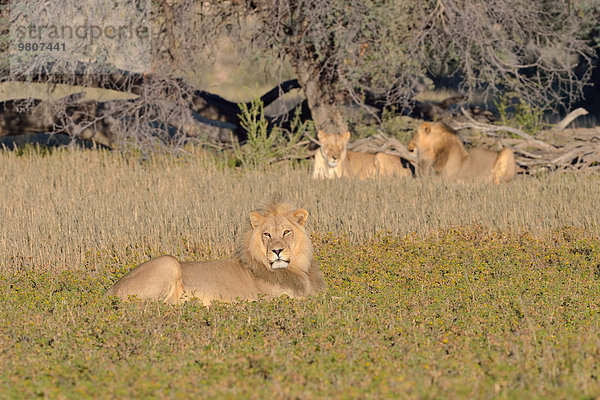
[279, 264]
[331, 163]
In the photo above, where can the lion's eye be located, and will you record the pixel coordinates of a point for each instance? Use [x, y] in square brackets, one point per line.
[267, 234]
[286, 232]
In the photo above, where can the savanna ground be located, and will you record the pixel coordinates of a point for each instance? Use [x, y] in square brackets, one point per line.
[434, 290]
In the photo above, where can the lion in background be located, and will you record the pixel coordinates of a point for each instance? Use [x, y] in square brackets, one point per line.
[333, 160]
[274, 258]
[440, 148]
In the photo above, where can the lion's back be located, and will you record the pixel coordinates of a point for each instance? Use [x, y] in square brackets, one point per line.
[490, 165]
[223, 280]
[360, 165]
[390, 165]
[479, 164]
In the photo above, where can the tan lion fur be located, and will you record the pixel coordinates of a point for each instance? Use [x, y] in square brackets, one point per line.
[440, 149]
[333, 160]
[274, 258]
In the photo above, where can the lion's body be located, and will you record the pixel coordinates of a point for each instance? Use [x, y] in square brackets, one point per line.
[224, 280]
[333, 160]
[274, 265]
[441, 150]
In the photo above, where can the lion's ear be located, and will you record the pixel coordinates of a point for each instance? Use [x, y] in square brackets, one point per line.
[346, 136]
[256, 219]
[300, 215]
[321, 135]
[426, 127]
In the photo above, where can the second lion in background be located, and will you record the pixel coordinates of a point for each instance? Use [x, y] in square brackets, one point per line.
[440, 150]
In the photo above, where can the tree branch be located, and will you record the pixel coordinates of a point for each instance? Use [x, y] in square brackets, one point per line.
[573, 115]
[496, 128]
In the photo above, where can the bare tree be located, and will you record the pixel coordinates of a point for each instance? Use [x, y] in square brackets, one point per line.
[530, 48]
[342, 50]
[164, 107]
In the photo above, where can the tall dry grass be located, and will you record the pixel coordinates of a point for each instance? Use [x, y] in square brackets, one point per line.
[64, 209]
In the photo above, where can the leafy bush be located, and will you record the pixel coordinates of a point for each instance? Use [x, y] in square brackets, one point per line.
[264, 147]
[516, 112]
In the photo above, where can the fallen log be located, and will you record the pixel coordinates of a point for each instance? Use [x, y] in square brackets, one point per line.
[579, 151]
[204, 106]
[497, 128]
[31, 115]
[209, 115]
[573, 115]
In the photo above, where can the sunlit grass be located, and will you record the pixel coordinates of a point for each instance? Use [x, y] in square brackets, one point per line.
[60, 209]
[435, 290]
[456, 314]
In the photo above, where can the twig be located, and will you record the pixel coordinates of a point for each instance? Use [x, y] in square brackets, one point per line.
[496, 128]
[570, 118]
[527, 154]
[312, 139]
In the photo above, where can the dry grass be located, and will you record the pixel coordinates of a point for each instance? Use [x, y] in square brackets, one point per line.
[63, 209]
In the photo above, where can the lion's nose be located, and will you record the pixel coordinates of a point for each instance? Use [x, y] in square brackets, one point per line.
[277, 251]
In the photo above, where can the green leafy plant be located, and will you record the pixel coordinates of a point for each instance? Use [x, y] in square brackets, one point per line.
[514, 111]
[265, 147]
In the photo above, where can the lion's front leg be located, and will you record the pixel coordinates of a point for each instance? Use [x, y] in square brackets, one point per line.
[156, 279]
[505, 167]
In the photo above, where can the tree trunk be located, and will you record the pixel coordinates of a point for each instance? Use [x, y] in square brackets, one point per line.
[319, 95]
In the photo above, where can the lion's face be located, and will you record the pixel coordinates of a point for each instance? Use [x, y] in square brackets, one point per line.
[424, 142]
[278, 238]
[333, 147]
[421, 139]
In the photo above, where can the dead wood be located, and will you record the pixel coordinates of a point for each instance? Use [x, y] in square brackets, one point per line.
[380, 143]
[570, 118]
[209, 116]
[496, 128]
[31, 115]
[575, 150]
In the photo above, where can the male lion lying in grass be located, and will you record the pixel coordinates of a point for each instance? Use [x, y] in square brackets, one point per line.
[332, 160]
[440, 148]
[275, 258]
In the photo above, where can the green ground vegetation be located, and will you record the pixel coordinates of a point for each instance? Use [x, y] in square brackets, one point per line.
[435, 290]
[460, 313]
